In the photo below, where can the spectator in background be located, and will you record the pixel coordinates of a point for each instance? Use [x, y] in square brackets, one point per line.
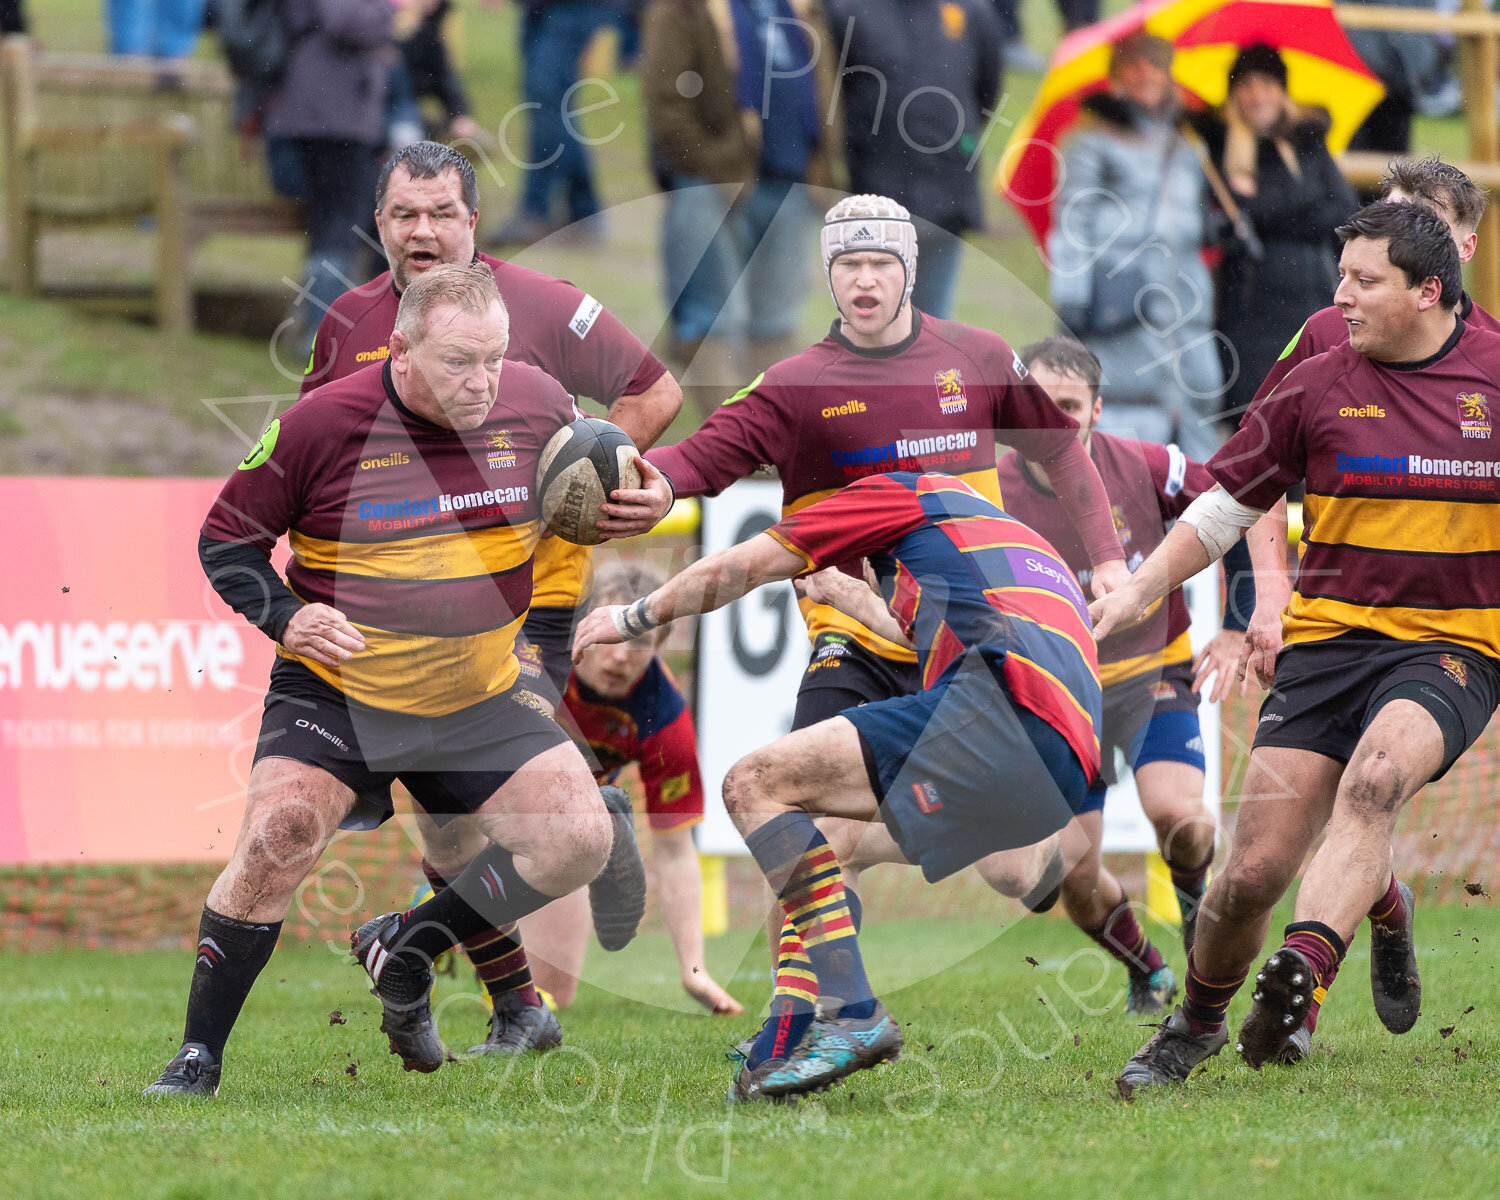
[158, 28]
[1274, 156]
[330, 105]
[429, 67]
[1128, 279]
[920, 78]
[1405, 63]
[1076, 14]
[559, 171]
[737, 126]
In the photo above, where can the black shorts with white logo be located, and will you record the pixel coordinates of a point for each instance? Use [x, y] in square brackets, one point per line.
[1327, 693]
[545, 650]
[843, 674]
[450, 764]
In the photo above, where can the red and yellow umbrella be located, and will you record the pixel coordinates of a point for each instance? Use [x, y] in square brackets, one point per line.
[1323, 71]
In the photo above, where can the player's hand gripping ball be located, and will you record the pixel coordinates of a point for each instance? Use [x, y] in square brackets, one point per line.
[580, 466]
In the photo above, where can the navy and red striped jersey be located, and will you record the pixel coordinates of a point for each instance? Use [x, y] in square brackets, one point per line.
[651, 726]
[961, 575]
[1149, 486]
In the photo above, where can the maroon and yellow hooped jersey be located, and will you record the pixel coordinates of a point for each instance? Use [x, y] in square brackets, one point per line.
[1401, 524]
[408, 528]
[939, 401]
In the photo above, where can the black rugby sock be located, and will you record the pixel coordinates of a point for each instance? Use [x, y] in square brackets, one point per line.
[489, 893]
[230, 955]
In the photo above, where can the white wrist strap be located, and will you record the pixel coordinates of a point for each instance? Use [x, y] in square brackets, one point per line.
[1220, 520]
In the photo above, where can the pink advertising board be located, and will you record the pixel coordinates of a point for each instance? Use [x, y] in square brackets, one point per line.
[129, 694]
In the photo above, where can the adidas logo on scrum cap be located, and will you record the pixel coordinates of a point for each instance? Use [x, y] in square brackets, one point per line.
[862, 234]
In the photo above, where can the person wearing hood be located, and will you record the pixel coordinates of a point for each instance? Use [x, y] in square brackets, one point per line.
[1273, 154]
[1128, 226]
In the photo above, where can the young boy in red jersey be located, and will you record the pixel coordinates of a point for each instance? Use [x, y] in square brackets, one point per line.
[623, 705]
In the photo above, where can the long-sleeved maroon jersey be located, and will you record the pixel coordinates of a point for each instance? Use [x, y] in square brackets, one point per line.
[421, 535]
[553, 325]
[939, 401]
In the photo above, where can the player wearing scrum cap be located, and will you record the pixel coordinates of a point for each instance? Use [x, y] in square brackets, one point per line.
[889, 389]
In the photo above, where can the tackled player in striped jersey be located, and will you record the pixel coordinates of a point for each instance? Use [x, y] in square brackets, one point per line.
[994, 752]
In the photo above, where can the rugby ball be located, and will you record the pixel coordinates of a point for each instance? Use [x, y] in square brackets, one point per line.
[580, 465]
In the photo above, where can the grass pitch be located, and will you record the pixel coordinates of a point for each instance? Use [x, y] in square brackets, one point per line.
[1005, 1088]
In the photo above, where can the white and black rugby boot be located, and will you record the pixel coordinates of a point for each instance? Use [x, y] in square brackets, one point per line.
[403, 985]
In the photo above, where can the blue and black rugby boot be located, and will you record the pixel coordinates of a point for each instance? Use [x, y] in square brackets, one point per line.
[1151, 991]
[832, 1048]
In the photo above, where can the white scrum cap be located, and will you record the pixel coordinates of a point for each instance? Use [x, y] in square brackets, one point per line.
[867, 222]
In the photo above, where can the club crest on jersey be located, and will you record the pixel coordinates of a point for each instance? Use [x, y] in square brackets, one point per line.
[1457, 670]
[927, 796]
[1473, 415]
[950, 389]
[501, 452]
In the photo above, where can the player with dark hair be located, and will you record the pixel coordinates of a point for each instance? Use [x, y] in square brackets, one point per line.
[889, 388]
[395, 632]
[1151, 680]
[1442, 187]
[426, 209]
[993, 751]
[1392, 662]
[1460, 202]
[622, 703]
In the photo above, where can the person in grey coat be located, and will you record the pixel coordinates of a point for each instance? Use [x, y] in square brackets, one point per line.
[330, 105]
[1128, 226]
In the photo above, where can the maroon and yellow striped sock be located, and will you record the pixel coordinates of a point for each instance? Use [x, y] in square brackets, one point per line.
[1388, 914]
[1122, 936]
[1324, 951]
[497, 955]
[1205, 1001]
[803, 871]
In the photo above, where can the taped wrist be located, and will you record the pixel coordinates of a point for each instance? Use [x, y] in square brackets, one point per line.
[1219, 520]
[635, 620]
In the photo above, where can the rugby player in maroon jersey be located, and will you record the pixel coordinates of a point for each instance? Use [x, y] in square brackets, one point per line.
[395, 633]
[426, 208]
[1151, 679]
[1392, 660]
[1460, 202]
[890, 388]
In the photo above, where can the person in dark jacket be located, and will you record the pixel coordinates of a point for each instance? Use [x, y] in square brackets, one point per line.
[920, 82]
[737, 94]
[331, 106]
[1274, 156]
